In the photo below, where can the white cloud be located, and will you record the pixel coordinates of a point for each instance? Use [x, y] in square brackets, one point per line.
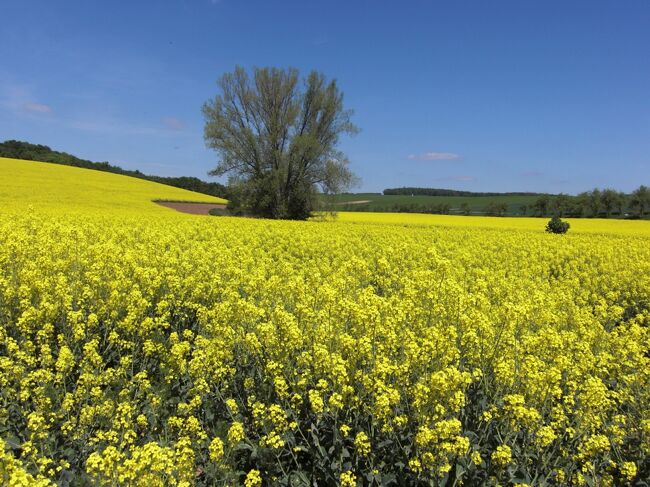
[32, 107]
[435, 156]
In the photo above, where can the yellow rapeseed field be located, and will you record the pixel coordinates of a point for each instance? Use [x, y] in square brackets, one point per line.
[140, 346]
[64, 188]
[632, 228]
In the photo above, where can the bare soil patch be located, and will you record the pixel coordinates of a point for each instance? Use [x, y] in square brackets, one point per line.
[192, 208]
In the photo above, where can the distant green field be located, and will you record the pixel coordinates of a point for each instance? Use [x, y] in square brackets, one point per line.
[380, 202]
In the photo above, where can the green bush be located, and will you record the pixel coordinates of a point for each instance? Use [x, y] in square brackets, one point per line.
[556, 225]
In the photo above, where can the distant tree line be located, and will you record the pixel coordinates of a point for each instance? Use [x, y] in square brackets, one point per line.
[447, 192]
[432, 208]
[597, 203]
[16, 149]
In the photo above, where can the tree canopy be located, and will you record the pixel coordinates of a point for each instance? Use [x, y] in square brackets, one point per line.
[277, 139]
[408, 191]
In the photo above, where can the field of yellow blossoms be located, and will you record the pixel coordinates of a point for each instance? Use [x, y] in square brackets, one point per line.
[144, 347]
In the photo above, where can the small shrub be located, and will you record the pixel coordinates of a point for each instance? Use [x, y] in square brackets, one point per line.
[556, 225]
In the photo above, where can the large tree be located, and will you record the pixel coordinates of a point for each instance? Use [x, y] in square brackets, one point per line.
[640, 200]
[609, 200]
[277, 139]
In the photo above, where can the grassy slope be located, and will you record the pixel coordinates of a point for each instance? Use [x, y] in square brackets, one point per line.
[379, 202]
[46, 185]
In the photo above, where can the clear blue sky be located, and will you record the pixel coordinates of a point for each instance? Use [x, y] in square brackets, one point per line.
[483, 95]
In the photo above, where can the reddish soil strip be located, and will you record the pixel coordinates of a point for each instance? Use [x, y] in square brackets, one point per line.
[192, 208]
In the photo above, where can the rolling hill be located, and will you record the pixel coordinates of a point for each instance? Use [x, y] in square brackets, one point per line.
[45, 185]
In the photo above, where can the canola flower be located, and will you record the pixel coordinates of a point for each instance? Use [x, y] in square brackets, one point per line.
[610, 226]
[153, 348]
[40, 185]
[348, 479]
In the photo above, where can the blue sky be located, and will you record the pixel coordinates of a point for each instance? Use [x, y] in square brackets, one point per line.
[481, 95]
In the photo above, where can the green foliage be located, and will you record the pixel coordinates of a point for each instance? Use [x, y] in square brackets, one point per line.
[496, 209]
[635, 205]
[448, 192]
[640, 201]
[423, 204]
[277, 139]
[609, 199]
[556, 225]
[561, 205]
[192, 184]
[541, 206]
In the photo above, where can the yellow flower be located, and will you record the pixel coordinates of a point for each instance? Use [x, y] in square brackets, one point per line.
[502, 456]
[232, 405]
[216, 449]
[236, 433]
[253, 479]
[476, 458]
[545, 436]
[335, 401]
[126, 333]
[65, 361]
[415, 464]
[348, 479]
[316, 401]
[628, 470]
[362, 444]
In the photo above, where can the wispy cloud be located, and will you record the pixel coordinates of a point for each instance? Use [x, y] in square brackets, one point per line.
[21, 101]
[32, 107]
[113, 127]
[173, 123]
[434, 156]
